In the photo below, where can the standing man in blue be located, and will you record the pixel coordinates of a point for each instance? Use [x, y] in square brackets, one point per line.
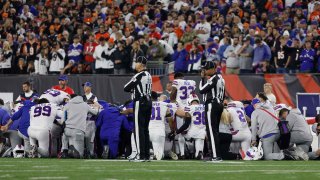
[141, 86]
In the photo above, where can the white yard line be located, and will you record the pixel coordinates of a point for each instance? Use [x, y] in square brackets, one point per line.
[5, 176]
[7, 165]
[37, 178]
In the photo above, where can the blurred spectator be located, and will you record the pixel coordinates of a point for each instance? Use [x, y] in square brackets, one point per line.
[282, 58]
[56, 58]
[107, 55]
[211, 49]
[100, 62]
[74, 54]
[29, 50]
[156, 52]
[203, 29]
[6, 58]
[261, 56]
[245, 56]
[295, 50]
[120, 58]
[180, 57]
[232, 61]
[89, 48]
[307, 57]
[195, 57]
[134, 54]
[267, 88]
[41, 63]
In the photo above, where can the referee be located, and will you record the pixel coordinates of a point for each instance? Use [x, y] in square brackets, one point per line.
[213, 90]
[141, 86]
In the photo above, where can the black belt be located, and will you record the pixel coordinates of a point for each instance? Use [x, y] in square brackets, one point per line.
[147, 98]
[214, 100]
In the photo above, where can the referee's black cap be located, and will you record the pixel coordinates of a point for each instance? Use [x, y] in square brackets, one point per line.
[209, 65]
[142, 60]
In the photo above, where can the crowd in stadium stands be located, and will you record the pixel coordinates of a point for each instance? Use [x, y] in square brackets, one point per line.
[106, 37]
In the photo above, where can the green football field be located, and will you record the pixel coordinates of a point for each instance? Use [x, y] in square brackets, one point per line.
[107, 169]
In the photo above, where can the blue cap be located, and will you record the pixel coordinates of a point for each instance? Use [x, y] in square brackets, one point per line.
[314, 22]
[63, 78]
[210, 39]
[158, 15]
[88, 84]
[255, 101]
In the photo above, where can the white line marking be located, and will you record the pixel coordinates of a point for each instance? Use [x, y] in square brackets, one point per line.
[5, 176]
[285, 171]
[7, 165]
[36, 178]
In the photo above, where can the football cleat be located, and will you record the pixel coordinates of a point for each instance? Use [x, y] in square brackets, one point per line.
[173, 155]
[200, 156]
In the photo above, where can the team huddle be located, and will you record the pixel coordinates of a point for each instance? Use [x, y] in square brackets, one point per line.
[152, 126]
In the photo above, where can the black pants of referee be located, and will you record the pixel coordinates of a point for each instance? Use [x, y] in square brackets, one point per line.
[142, 112]
[213, 110]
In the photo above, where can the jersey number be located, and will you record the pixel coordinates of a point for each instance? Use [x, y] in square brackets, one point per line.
[52, 92]
[241, 116]
[155, 114]
[44, 111]
[200, 118]
[185, 90]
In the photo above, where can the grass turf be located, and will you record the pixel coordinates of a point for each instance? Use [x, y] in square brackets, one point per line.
[105, 169]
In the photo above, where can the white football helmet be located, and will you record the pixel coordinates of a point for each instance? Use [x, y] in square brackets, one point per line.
[254, 153]
[235, 104]
[193, 97]
[278, 107]
[18, 151]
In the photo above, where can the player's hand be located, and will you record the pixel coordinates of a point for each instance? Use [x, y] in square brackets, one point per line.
[318, 129]
[4, 128]
[203, 74]
[254, 143]
[172, 135]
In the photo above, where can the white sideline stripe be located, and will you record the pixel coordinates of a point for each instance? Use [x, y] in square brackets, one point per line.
[124, 160]
[5, 176]
[269, 171]
[35, 178]
[6, 165]
[41, 166]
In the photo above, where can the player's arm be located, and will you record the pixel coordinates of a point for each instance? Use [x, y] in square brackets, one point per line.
[93, 110]
[170, 120]
[173, 94]
[206, 87]
[288, 61]
[15, 116]
[127, 111]
[254, 128]
[180, 112]
[186, 124]
[59, 116]
[132, 83]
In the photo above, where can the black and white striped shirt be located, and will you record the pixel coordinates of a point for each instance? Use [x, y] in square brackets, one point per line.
[214, 88]
[140, 85]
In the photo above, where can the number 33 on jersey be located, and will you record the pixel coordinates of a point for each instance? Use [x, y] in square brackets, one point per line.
[184, 89]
